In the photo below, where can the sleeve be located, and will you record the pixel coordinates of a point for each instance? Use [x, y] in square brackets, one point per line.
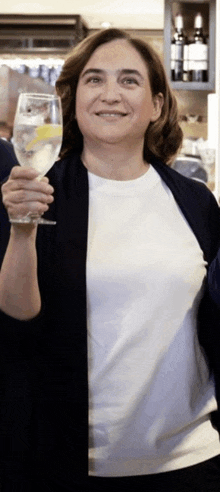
[7, 159]
[214, 279]
[19, 346]
[213, 276]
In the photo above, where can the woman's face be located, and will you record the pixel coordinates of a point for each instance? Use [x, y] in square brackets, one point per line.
[114, 103]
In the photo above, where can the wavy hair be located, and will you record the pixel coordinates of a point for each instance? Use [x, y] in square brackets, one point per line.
[163, 137]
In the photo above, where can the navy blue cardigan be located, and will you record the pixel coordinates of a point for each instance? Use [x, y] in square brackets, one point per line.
[43, 362]
[7, 158]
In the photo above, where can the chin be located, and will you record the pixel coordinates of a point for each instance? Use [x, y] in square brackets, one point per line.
[112, 138]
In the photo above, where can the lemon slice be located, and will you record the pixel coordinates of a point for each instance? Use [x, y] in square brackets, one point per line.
[45, 132]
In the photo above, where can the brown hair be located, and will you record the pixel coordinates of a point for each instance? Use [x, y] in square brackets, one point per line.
[163, 137]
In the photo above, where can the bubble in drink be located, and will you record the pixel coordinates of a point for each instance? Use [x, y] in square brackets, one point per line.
[37, 146]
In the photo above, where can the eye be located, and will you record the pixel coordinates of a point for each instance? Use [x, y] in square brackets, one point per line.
[129, 81]
[93, 79]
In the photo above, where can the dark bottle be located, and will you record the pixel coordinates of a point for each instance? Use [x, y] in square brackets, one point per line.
[177, 49]
[186, 61]
[198, 53]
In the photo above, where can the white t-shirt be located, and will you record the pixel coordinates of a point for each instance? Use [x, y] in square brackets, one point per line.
[150, 395]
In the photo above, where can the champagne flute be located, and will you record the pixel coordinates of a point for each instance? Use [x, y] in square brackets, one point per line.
[37, 138]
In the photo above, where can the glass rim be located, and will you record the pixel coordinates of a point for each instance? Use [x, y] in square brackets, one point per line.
[39, 95]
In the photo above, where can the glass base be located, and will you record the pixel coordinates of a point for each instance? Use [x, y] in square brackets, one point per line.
[30, 219]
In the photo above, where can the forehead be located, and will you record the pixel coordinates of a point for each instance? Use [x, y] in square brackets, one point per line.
[115, 55]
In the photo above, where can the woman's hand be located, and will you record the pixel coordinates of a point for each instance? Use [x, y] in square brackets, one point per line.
[23, 193]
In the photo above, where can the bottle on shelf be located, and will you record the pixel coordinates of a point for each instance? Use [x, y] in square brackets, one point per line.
[178, 46]
[186, 61]
[198, 53]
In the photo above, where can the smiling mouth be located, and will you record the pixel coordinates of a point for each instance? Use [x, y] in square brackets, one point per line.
[110, 114]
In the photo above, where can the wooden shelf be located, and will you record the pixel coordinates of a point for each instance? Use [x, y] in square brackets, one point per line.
[188, 8]
[193, 86]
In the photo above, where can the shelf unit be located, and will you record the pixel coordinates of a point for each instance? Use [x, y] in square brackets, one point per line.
[189, 8]
[37, 34]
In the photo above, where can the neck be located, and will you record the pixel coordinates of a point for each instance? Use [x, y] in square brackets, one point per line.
[114, 162]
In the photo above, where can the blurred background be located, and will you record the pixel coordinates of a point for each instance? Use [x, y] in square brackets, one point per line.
[35, 38]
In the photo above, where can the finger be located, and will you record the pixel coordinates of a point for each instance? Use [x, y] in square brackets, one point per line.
[21, 198]
[44, 179]
[18, 172]
[25, 184]
[35, 208]
[27, 196]
[22, 201]
[23, 172]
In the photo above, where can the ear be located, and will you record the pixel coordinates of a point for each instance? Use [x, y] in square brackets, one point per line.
[158, 101]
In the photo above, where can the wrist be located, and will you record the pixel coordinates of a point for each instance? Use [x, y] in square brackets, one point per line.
[25, 232]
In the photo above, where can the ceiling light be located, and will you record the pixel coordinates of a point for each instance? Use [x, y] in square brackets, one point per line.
[106, 25]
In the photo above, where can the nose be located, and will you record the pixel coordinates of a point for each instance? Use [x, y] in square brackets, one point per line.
[111, 92]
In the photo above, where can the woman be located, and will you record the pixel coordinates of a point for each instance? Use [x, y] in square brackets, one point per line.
[100, 317]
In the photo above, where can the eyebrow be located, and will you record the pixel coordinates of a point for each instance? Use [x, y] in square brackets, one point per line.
[128, 71]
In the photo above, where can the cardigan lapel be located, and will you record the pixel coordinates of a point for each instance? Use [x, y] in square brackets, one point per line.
[70, 208]
[195, 201]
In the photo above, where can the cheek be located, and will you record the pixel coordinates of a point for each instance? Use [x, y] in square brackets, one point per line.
[146, 108]
[81, 113]
[83, 103]
[81, 98]
[141, 103]
[78, 103]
